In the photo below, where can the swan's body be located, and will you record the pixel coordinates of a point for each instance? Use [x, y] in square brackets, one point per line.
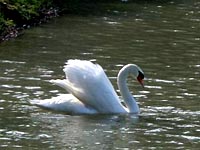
[91, 91]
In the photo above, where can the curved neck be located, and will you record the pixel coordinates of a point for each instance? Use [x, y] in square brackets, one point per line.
[124, 90]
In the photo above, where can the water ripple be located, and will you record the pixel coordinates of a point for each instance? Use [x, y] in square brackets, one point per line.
[12, 62]
[11, 86]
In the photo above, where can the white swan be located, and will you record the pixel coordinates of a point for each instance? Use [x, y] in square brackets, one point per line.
[91, 91]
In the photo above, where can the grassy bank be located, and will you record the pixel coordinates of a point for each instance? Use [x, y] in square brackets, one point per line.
[18, 14]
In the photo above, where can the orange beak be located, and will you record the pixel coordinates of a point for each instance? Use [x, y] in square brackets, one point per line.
[141, 81]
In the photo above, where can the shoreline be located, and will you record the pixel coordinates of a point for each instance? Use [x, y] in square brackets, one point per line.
[18, 15]
[13, 21]
[17, 30]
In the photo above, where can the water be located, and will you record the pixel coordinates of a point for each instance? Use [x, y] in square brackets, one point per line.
[162, 38]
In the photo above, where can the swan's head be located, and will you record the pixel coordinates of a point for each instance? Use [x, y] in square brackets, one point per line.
[134, 70]
[131, 69]
[137, 72]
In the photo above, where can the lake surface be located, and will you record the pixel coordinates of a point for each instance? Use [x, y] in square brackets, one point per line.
[162, 38]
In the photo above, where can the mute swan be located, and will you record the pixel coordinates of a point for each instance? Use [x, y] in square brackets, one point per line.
[91, 91]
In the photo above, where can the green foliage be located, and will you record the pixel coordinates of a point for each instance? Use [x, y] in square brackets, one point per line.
[25, 8]
[20, 11]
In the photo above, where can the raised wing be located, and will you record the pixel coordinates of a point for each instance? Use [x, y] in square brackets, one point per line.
[89, 83]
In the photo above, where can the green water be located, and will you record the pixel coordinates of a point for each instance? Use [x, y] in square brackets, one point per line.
[163, 39]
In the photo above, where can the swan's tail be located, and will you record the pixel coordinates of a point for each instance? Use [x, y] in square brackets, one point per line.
[47, 103]
[64, 103]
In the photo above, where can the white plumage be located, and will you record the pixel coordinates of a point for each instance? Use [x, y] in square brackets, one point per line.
[90, 90]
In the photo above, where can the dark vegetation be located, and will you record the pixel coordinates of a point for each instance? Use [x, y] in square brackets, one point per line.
[19, 14]
[16, 15]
